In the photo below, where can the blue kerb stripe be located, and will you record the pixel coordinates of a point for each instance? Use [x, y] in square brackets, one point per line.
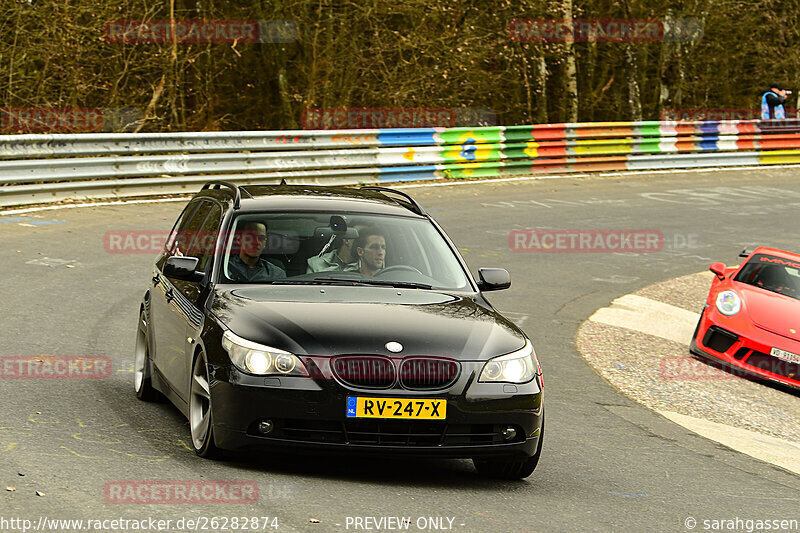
[421, 137]
[709, 127]
[709, 144]
[405, 131]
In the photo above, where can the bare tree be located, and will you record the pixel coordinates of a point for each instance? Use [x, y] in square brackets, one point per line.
[570, 67]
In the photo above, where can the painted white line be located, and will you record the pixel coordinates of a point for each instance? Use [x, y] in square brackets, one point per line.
[776, 451]
[649, 316]
[53, 261]
[498, 180]
[93, 204]
[693, 170]
[597, 175]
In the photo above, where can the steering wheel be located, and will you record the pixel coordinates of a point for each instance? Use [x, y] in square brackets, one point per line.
[399, 268]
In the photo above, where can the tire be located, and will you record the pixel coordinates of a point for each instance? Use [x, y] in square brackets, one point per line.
[201, 421]
[511, 470]
[142, 372]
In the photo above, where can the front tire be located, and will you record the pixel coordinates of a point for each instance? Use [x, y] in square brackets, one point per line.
[142, 366]
[201, 422]
[511, 470]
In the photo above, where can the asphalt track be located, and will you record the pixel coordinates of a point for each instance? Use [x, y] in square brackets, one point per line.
[608, 463]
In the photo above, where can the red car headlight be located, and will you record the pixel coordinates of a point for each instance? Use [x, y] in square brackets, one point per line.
[728, 303]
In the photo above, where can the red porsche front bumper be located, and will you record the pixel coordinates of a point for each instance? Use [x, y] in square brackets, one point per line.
[742, 346]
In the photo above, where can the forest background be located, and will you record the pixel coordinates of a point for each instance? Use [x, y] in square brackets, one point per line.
[483, 60]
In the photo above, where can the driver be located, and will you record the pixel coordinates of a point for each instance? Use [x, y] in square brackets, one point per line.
[371, 251]
[770, 277]
[248, 266]
[775, 278]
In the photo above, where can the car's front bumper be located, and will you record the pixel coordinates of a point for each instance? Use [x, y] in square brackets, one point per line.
[746, 350]
[309, 414]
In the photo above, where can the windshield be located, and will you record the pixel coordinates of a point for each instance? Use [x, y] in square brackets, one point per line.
[339, 248]
[773, 274]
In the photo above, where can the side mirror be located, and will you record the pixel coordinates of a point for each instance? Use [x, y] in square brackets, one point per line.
[183, 268]
[718, 269]
[493, 279]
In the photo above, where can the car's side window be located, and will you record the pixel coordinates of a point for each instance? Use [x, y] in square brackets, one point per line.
[207, 237]
[169, 246]
[188, 236]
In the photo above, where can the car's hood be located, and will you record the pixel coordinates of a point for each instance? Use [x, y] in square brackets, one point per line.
[332, 320]
[771, 311]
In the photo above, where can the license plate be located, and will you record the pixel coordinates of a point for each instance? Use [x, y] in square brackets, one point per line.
[396, 408]
[786, 356]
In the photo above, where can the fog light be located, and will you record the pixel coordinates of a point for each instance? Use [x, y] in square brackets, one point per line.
[509, 433]
[265, 426]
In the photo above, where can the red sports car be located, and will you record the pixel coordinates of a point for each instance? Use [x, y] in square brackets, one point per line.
[751, 320]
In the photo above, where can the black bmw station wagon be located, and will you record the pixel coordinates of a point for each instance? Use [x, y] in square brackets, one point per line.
[338, 319]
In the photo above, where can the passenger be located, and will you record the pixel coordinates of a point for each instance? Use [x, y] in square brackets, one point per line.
[248, 266]
[343, 259]
[371, 251]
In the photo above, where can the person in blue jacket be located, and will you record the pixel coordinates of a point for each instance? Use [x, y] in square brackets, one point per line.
[772, 103]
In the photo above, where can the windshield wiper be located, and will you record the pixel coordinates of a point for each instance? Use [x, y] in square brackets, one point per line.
[380, 282]
[321, 281]
[398, 284]
[338, 278]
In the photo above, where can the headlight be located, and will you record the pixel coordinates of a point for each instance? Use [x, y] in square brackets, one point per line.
[515, 367]
[256, 358]
[728, 303]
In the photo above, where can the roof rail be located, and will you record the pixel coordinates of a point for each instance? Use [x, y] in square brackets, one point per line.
[243, 188]
[415, 206]
[237, 190]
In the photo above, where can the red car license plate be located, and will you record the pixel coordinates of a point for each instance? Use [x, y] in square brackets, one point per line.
[786, 356]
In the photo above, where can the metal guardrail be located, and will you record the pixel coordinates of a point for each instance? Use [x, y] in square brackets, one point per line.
[48, 168]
